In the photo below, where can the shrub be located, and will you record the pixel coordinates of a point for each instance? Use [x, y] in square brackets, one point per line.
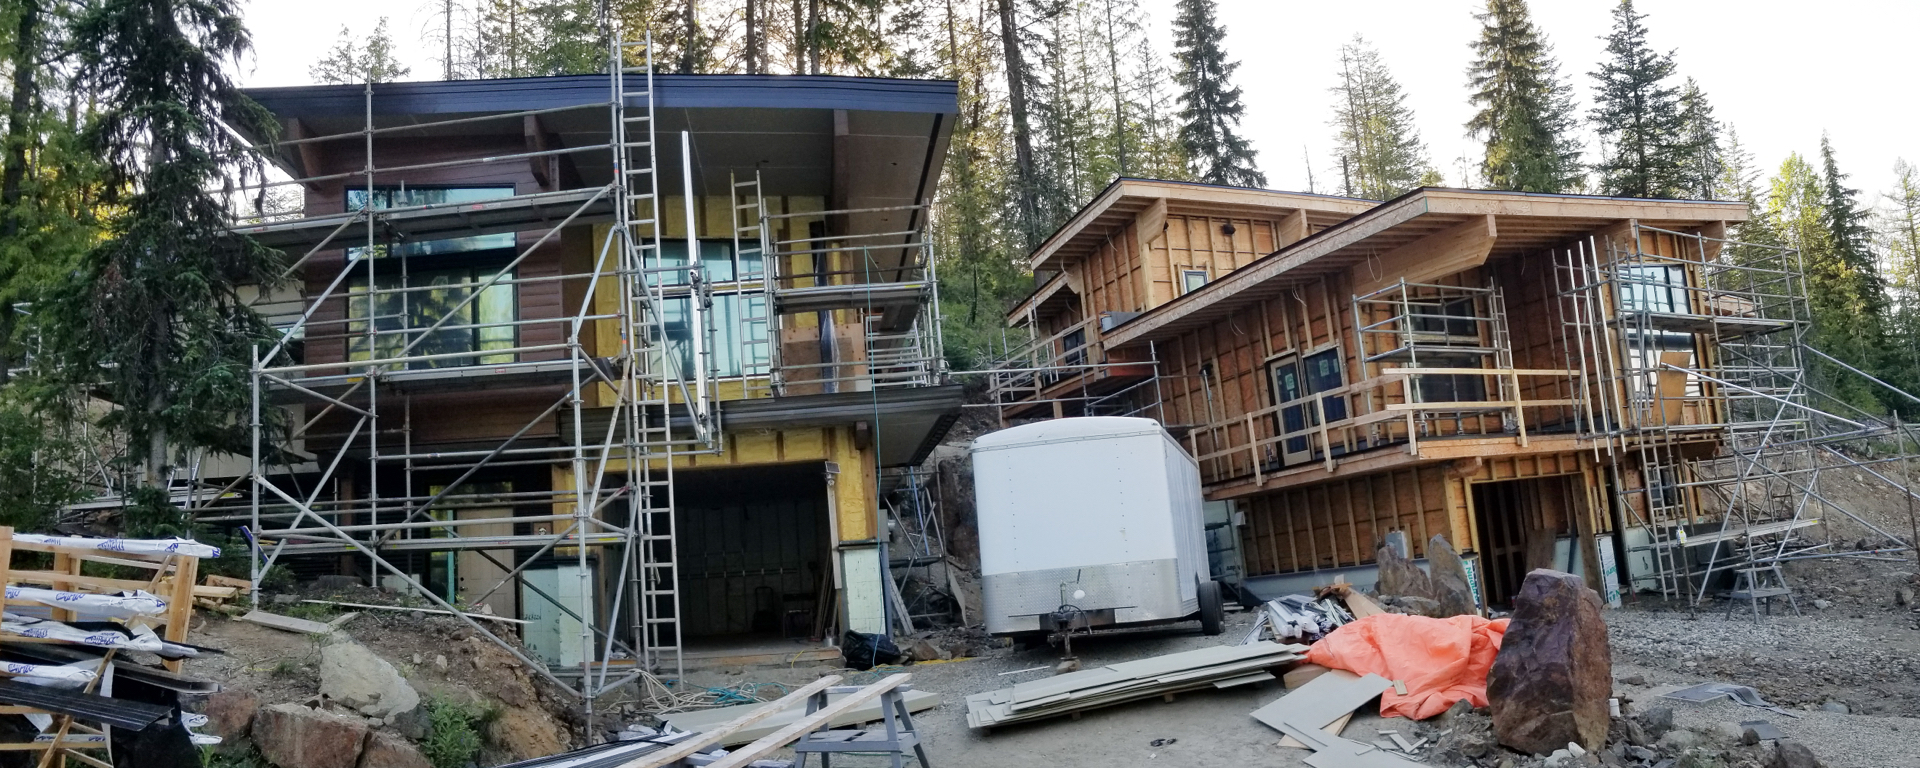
[452, 739]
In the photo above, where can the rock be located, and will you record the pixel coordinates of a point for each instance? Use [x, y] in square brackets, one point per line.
[412, 723]
[1418, 606]
[1635, 734]
[1903, 596]
[1749, 737]
[440, 662]
[1450, 584]
[353, 675]
[921, 650]
[293, 736]
[1657, 721]
[333, 581]
[230, 712]
[1641, 753]
[1823, 604]
[1836, 706]
[1557, 759]
[1459, 709]
[386, 750]
[1727, 733]
[1634, 680]
[527, 734]
[1550, 682]
[1400, 577]
[1788, 753]
[1573, 748]
[1679, 740]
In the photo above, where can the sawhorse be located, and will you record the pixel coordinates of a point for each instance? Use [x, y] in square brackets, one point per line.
[896, 737]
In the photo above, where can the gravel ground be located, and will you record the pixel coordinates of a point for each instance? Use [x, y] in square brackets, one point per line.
[1840, 741]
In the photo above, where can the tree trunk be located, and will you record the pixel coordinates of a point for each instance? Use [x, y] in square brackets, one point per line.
[1028, 186]
[753, 37]
[19, 134]
[813, 37]
[1119, 105]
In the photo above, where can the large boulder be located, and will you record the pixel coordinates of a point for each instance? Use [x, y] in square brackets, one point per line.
[1449, 577]
[354, 676]
[386, 750]
[293, 736]
[230, 712]
[1788, 753]
[1550, 682]
[1399, 575]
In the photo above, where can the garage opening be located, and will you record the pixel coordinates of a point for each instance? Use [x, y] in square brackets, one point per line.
[754, 555]
[1523, 525]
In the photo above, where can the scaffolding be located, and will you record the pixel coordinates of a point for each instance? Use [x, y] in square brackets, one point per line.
[1694, 355]
[628, 373]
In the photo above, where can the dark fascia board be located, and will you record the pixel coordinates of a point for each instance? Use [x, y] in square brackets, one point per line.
[447, 97]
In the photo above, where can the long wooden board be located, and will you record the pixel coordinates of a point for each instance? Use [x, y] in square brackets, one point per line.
[780, 738]
[711, 737]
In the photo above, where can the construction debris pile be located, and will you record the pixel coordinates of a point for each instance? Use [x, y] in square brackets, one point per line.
[1160, 676]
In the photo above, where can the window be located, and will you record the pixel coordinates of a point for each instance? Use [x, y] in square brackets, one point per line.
[737, 346]
[1324, 373]
[410, 197]
[1192, 279]
[1653, 288]
[399, 317]
[716, 257]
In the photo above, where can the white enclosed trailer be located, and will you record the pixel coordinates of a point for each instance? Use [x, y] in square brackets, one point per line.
[1090, 522]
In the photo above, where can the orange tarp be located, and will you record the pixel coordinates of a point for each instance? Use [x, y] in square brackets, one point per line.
[1441, 661]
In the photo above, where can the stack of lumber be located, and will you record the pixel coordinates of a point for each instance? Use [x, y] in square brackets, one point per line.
[1217, 667]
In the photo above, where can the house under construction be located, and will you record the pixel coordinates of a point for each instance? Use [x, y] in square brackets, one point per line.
[633, 359]
[1606, 386]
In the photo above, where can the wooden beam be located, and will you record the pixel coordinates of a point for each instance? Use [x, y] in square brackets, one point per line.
[707, 738]
[1292, 229]
[1454, 249]
[805, 725]
[543, 167]
[311, 154]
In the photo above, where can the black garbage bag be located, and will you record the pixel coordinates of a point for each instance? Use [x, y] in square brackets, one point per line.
[864, 651]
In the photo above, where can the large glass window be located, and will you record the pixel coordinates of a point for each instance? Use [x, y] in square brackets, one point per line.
[736, 347]
[1654, 288]
[716, 257]
[411, 197]
[399, 317]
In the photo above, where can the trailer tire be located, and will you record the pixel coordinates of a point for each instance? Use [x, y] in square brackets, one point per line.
[1212, 612]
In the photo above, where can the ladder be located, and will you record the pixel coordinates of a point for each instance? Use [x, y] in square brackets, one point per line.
[757, 323]
[644, 402]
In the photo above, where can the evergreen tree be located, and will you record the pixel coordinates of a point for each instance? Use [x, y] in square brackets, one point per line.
[1898, 231]
[1526, 120]
[1021, 80]
[1861, 296]
[1702, 164]
[350, 61]
[1381, 152]
[1210, 108]
[1637, 114]
[150, 316]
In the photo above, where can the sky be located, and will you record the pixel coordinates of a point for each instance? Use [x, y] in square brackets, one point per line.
[1779, 73]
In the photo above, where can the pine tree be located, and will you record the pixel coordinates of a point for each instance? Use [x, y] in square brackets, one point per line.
[1861, 296]
[1210, 110]
[1021, 80]
[1637, 114]
[1381, 152]
[1701, 160]
[1898, 232]
[351, 62]
[151, 315]
[1526, 120]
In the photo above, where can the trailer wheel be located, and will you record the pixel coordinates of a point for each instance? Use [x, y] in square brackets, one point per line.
[1212, 614]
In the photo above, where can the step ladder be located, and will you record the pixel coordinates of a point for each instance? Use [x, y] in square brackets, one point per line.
[893, 739]
[1757, 583]
[644, 397]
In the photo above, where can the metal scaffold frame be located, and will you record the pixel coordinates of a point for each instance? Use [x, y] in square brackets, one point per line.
[620, 503]
[1696, 365]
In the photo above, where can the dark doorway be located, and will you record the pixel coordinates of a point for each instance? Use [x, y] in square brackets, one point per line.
[1519, 524]
[753, 549]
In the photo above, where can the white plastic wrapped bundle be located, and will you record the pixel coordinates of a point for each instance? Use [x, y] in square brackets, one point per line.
[72, 675]
[121, 606]
[142, 638]
[130, 546]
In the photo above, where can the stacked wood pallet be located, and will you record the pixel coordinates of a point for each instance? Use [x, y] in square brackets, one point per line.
[1218, 667]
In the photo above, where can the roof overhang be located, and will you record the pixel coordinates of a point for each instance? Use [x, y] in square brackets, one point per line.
[859, 142]
[1126, 197]
[1526, 222]
[904, 423]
